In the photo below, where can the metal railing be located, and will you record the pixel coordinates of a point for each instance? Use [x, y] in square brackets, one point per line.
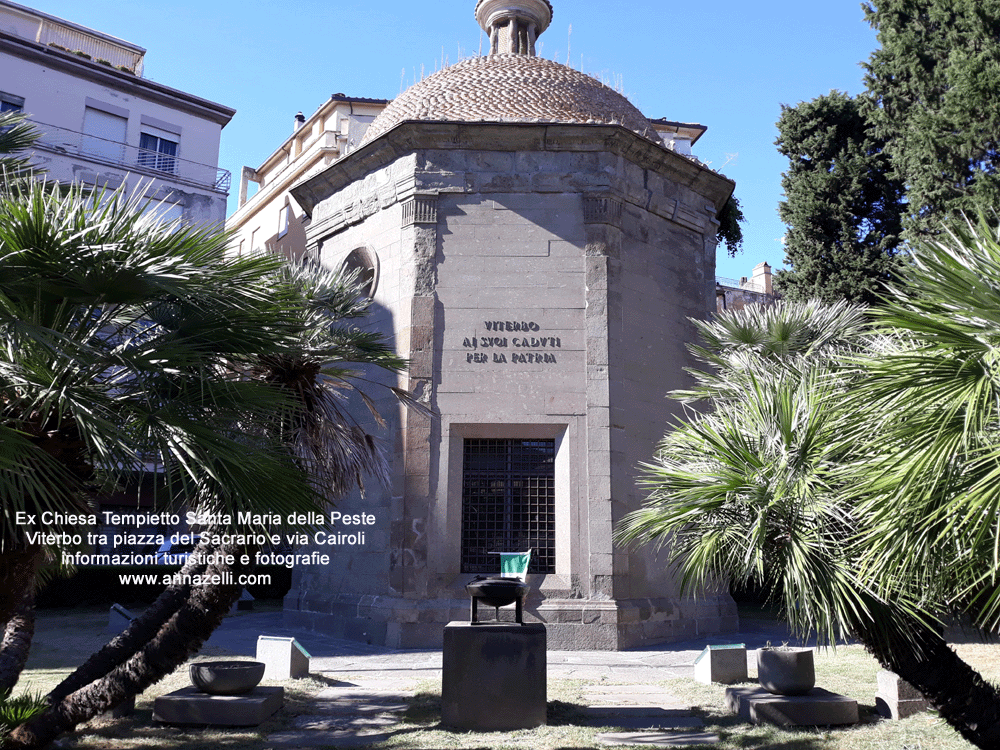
[52, 33]
[142, 161]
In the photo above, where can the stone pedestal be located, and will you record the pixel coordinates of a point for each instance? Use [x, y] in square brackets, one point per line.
[896, 698]
[191, 706]
[818, 707]
[493, 676]
[724, 664]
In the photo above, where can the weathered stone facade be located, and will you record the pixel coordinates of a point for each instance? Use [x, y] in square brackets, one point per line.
[539, 277]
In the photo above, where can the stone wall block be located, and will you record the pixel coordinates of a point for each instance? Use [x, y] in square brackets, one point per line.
[422, 311]
[599, 507]
[597, 350]
[598, 417]
[421, 338]
[421, 364]
[441, 160]
[498, 182]
[596, 273]
[490, 161]
[417, 487]
[603, 587]
[597, 393]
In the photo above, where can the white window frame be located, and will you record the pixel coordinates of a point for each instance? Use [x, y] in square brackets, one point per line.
[11, 102]
[284, 216]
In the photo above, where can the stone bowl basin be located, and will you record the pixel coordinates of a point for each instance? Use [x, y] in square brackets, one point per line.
[497, 592]
[227, 677]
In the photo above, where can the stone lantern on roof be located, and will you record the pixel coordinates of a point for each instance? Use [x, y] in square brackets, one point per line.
[513, 25]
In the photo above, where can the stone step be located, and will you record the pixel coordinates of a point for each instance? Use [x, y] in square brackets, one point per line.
[624, 689]
[641, 717]
[356, 706]
[295, 739]
[658, 739]
[652, 699]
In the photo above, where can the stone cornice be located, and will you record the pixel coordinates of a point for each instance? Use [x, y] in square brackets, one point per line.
[106, 76]
[411, 136]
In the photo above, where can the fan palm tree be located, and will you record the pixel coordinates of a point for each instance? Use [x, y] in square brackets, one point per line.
[933, 496]
[763, 485]
[127, 342]
[16, 137]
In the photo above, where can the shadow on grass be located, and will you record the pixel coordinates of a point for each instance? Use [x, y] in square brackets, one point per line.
[329, 681]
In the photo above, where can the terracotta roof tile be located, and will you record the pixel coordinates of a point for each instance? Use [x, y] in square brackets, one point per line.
[511, 88]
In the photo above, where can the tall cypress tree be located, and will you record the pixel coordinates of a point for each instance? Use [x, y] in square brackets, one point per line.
[934, 82]
[841, 208]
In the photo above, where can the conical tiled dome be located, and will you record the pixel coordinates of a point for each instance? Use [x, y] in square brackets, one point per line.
[511, 88]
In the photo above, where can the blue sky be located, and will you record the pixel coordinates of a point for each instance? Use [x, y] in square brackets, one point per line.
[727, 64]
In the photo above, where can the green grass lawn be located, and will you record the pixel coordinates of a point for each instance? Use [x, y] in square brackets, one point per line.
[65, 638]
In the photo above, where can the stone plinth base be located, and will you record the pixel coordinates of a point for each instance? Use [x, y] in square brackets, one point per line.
[724, 664]
[191, 706]
[493, 676]
[896, 698]
[818, 707]
[571, 624]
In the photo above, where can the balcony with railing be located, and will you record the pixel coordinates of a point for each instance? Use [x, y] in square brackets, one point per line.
[144, 161]
[744, 284]
[70, 37]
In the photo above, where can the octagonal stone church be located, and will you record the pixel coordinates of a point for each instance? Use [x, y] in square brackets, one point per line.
[535, 248]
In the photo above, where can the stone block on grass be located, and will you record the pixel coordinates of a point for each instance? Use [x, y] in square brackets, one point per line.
[119, 618]
[896, 698]
[723, 664]
[818, 707]
[284, 658]
[189, 706]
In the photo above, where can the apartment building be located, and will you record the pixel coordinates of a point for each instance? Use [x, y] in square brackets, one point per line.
[103, 124]
[271, 218]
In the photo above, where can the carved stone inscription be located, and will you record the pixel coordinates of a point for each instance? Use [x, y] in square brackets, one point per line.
[526, 347]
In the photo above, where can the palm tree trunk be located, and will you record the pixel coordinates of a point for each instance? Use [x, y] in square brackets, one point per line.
[918, 654]
[140, 632]
[16, 643]
[17, 576]
[176, 640]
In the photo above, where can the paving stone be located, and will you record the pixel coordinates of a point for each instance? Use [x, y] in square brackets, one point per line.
[339, 723]
[658, 739]
[312, 738]
[641, 717]
[656, 699]
[358, 707]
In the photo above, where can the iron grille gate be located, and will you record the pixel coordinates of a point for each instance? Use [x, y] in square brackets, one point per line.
[508, 503]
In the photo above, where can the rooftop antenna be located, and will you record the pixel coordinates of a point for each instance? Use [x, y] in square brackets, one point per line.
[480, 43]
[569, 37]
[402, 79]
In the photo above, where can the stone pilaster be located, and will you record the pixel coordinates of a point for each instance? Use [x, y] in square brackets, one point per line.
[603, 247]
